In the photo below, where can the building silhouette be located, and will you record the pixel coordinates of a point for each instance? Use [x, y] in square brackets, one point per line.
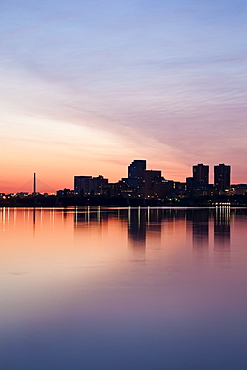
[154, 185]
[86, 185]
[222, 174]
[200, 174]
[135, 170]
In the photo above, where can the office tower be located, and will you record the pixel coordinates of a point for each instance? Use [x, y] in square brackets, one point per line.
[135, 170]
[200, 174]
[222, 177]
[150, 180]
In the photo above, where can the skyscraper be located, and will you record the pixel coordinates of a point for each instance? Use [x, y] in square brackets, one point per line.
[134, 172]
[222, 177]
[200, 174]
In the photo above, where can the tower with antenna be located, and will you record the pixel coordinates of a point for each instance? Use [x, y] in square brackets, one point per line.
[34, 183]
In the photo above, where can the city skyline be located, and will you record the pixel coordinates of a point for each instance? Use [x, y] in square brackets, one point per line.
[137, 170]
[86, 87]
[211, 177]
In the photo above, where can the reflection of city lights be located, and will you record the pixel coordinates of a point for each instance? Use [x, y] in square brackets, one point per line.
[221, 204]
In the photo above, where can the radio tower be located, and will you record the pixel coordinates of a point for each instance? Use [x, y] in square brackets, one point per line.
[34, 183]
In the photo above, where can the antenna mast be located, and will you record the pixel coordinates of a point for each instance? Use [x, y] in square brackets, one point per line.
[34, 183]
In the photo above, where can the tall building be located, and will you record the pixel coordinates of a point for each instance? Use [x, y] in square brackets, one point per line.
[135, 170]
[149, 183]
[200, 174]
[222, 175]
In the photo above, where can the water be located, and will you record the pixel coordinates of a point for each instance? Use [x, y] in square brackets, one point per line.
[123, 289]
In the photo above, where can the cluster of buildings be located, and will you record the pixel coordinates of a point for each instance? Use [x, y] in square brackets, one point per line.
[200, 179]
[140, 182]
[144, 183]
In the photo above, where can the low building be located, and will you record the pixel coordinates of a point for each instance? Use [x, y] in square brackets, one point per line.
[88, 185]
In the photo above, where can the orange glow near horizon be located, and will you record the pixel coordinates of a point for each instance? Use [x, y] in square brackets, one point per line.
[58, 151]
[50, 180]
[88, 108]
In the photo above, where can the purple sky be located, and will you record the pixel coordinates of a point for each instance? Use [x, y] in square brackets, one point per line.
[86, 87]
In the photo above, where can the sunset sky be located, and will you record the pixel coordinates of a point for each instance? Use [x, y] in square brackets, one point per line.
[88, 86]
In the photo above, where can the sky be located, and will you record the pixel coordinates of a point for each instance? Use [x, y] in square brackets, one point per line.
[88, 86]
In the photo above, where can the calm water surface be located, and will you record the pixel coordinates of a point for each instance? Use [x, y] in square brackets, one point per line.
[99, 288]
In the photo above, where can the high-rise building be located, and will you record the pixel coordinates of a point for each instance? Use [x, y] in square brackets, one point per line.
[135, 170]
[222, 175]
[200, 174]
[150, 179]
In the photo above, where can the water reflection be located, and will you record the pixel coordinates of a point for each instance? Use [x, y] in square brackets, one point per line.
[208, 227]
[222, 234]
[137, 233]
[89, 216]
[123, 288]
[200, 231]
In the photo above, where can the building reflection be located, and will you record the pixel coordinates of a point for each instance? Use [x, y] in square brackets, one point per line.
[210, 227]
[200, 233]
[222, 234]
[87, 216]
[144, 227]
[137, 232]
[65, 212]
